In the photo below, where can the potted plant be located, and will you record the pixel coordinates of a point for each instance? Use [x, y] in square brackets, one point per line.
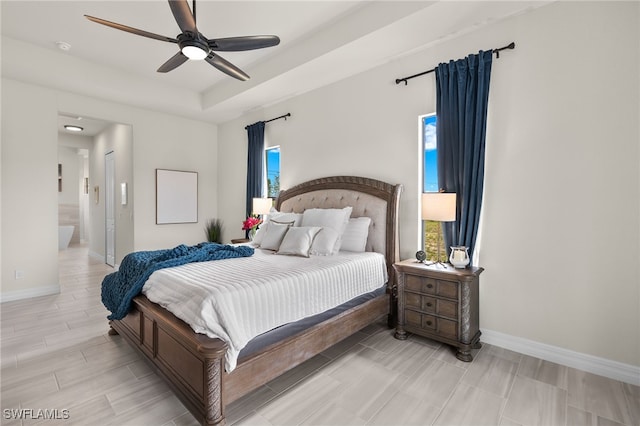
[213, 230]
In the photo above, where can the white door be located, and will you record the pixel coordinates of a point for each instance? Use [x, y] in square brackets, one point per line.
[109, 202]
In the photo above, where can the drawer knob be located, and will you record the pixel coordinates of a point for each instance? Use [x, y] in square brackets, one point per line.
[429, 285]
[429, 323]
[429, 304]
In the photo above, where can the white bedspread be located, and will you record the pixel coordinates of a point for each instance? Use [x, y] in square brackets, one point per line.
[238, 299]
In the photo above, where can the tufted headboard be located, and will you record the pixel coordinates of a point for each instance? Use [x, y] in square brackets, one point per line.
[368, 197]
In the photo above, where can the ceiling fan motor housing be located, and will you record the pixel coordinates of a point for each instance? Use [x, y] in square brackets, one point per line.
[193, 46]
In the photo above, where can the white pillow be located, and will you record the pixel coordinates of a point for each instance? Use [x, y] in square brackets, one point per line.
[355, 234]
[262, 230]
[285, 217]
[335, 219]
[297, 241]
[294, 218]
[273, 235]
[325, 242]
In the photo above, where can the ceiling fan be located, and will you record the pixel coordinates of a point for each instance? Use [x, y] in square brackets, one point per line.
[193, 45]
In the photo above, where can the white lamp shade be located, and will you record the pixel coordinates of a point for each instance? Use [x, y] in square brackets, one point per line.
[439, 206]
[261, 205]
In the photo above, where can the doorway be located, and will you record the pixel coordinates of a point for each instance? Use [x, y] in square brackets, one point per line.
[104, 223]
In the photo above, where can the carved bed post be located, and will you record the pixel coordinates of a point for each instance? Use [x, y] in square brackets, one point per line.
[213, 391]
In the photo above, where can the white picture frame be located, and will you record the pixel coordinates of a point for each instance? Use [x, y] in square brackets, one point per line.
[176, 196]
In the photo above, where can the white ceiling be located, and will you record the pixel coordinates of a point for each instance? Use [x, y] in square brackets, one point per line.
[321, 42]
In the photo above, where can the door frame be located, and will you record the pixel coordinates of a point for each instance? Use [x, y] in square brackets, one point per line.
[110, 208]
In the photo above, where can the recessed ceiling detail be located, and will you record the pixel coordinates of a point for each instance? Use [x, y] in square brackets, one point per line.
[321, 42]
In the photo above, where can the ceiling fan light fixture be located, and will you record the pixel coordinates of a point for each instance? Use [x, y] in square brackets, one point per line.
[195, 53]
[73, 128]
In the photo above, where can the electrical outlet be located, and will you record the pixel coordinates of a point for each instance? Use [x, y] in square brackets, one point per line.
[19, 274]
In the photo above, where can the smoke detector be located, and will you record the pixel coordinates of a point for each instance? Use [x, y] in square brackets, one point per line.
[63, 45]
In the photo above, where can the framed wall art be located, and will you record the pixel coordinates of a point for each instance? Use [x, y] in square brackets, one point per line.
[176, 196]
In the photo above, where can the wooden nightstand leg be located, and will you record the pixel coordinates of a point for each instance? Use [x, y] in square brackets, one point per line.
[464, 355]
[464, 351]
[475, 343]
[400, 334]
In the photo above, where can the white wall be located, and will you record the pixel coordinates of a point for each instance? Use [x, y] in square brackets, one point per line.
[562, 201]
[29, 175]
[29, 234]
[561, 218]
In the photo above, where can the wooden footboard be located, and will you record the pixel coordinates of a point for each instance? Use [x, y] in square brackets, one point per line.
[193, 364]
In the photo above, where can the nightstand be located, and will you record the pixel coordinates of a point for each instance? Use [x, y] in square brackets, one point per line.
[439, 303]
[240, 240]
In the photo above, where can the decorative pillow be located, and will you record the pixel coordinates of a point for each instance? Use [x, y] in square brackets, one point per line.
[295, 218]
[297, 241]
[325, 242]
[262, 229]
[285, 217]
[355, 234]
[273, 235]
[335, 219]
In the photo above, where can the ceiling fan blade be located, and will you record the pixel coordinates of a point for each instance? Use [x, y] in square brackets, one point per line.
[182, 12]
[226, 67]
[130, 29]
[174, 62]
[236, 44]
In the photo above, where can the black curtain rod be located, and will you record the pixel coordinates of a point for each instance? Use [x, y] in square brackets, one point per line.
[273, 119]
[511, 45]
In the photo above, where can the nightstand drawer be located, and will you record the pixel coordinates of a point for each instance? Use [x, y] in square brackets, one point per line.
[447, 308]
[420, 284]
[443, 327]
[431, 305]
[421, 303]
[427, 285]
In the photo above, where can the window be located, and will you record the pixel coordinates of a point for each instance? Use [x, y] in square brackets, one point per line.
[430, 182]
[430, 145]
[272, 160]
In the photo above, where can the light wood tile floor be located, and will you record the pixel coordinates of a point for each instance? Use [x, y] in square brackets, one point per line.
[56, 354]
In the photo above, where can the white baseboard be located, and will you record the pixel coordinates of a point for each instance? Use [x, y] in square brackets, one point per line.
[96, 256]
[603, 367]
[11, 296]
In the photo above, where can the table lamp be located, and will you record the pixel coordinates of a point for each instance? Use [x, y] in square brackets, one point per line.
[439, 207]
[261, 206]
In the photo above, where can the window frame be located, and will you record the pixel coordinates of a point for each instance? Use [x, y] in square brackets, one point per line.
[423, 176]
[266, 170]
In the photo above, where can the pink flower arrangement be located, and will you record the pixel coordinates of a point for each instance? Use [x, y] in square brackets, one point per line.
[251, 223]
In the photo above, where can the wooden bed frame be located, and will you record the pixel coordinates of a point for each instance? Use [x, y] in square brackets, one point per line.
[193, 364]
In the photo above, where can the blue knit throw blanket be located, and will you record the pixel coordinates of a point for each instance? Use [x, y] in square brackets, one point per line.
[119, 288]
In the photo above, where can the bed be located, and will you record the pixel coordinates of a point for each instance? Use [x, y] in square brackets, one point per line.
[193, 364]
